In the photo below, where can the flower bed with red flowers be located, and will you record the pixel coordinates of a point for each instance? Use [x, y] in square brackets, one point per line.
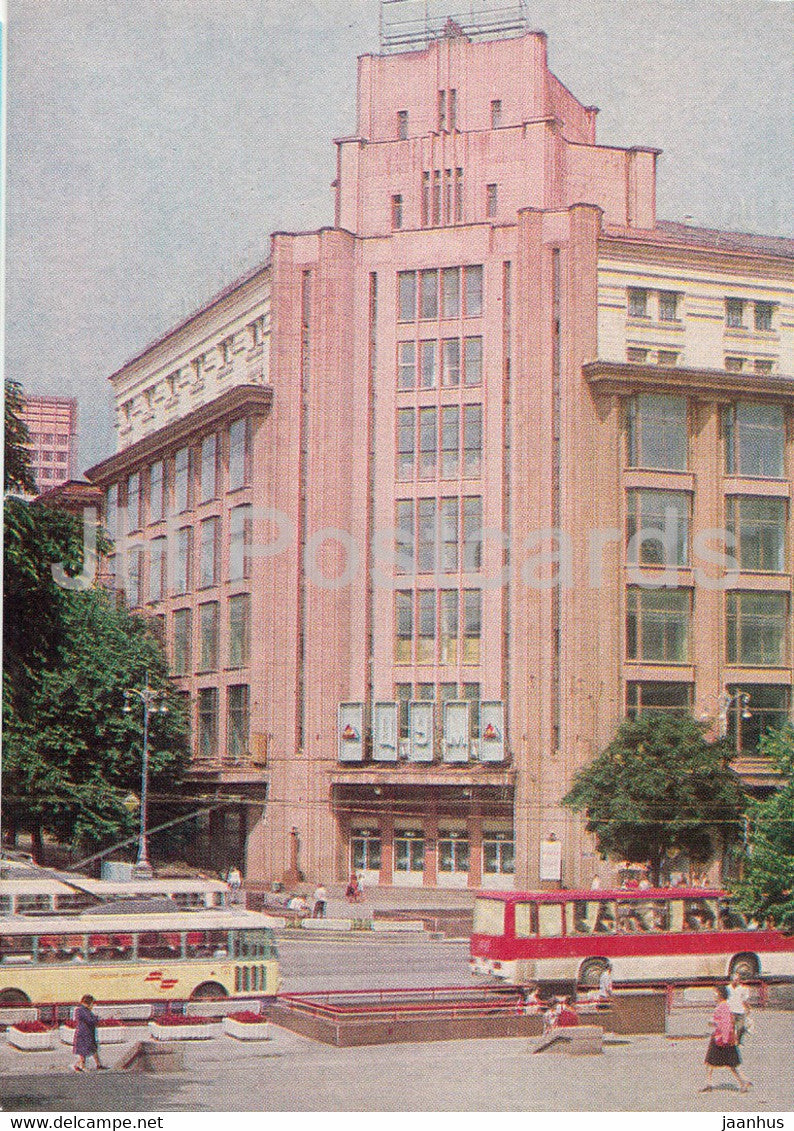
[180, 1019]
[103, 1023]
[32, 1027]
[247, 1017]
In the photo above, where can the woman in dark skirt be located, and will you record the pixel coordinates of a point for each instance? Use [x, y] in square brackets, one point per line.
[85, 1042]
[723, 1051]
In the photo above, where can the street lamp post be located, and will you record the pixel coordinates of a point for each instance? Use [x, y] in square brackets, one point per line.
[153, 702]
[740, 700]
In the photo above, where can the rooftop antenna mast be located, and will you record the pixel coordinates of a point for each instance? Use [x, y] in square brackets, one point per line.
[410, 25]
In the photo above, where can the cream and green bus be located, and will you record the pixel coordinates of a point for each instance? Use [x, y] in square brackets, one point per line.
[169, 956]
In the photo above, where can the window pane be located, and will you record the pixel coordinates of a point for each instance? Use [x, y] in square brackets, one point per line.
[658, 625]
[407, 296]
[237, 728]
[405, 443]
[649, 698]
[182, 480]
[760, 528]
[426, 556]
[406, 365]
[405, 537]
[427, 443]
[429, 351]
[658, 527]
[472, 617]
[208, 624]
[472, 361]
[181, 572]
[239, 630]
[449, 627]
[451, 292]
[156, 491]
[426, 637]
[209, 552]
[239, 541]
[756, 629]
[450, 361]
[472, 534]
[403, 633]
[473, 281]
[450, 431]
[472, 440]
[134, 502]
[428, 294]
[449, 535]
[659, 433]
[182, 641]
[208, 722]
[238, 444]
[209, 467]
[761, 436]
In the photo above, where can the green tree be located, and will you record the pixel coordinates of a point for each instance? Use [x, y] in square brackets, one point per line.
[767, 887]
[660, 787]
[74, 756]
[17, 473]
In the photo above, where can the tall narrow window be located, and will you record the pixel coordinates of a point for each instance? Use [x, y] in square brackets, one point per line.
[448, 213]
[436, 197]
[658, 625]
[238, 454]
[453, 109]
[426, 536]
[208, 566]
[402, 125]
[406, 365]
[183, 627]
[668, 306]
[734, 313]
[449, 626]
[491, 201]
[450, 429]
[472, 625]
[157, 558]
[208, 631]
[112, 511]
[763, 315]
[458, 195]
[181, 570]
[239, 542]
[450, 362]
[472, 440]
[209, 468]
[406, 443]
[638, 302]
[496, 114]
[397, 211]
[404, 551]
[182, 500]
[208, 723]
[473, 286]
[472, 534]
[449, 535]
[450, 288]
[237, 722]
[403, 626]
[428, 294]
[442, 111]
[472, 361]
[427, 443]
[156, 491]
[658, 527]
[406, 289]
[134, 576]
[428, 363]
[657, 432]
[425, 200]
[134, 502]
[426, 627]
[759, 526]
[239, 630]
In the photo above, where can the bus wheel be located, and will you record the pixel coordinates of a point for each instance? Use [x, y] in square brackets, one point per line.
[745, 965]
[13, 997]
[591, 971]
[208, 991]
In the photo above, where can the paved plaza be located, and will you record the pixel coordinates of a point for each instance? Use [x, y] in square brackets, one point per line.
[291, 1073]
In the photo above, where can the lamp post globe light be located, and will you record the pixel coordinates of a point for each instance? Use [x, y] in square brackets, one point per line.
[153, 703]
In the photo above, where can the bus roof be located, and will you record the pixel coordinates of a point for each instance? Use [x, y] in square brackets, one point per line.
[155, 886]
[112, 924]
[567, 894]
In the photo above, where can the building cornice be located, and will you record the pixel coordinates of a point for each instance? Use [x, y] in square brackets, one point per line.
[626, 376]
[255, 399]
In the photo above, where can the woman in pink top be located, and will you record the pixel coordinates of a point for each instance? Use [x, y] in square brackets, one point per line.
[722, 1051]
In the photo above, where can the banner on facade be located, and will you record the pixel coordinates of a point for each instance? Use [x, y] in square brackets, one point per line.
[492, 731]
[456, 731]
[422, 744]
[551, 860]
[351, 732]
[385, 732]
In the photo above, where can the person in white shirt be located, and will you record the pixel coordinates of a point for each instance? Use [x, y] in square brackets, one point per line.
[320, 900]
[605, 983]
[739, 1005]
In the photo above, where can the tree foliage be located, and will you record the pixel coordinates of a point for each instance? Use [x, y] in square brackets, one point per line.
[17, 472]
[767, 887]
[74, 758]
[659, 787]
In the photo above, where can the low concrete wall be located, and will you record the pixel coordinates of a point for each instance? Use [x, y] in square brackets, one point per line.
[327, 924]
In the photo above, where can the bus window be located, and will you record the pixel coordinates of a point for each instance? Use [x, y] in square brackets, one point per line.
[206, 944]
[489, 917]
[652, 913]
[29, 902]
[591, 916]
[526, 920]
[700, 914]
[252, 944]
[16, 950]
[187, 900]
[549, 920]
[629, 919]
[676, 910]
[731, 919]
[158, 944]
[5, 904]
[72, 902]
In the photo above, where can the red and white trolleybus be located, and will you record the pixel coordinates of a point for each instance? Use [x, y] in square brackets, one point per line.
[669, 934]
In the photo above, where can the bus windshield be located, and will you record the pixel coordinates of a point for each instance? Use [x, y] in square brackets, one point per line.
[489, 917]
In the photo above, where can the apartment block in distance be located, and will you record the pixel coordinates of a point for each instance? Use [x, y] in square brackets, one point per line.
[336, 482]
[52, 424]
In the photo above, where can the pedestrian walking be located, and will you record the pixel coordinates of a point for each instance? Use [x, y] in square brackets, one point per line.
[739, 1005]
[85, 1039]
[235, 882]
[605, 983]
[320, 901]
[723, 1051]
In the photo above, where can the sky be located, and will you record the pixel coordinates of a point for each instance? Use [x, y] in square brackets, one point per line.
[153, 145]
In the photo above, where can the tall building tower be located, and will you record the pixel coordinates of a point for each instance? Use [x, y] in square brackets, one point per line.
[52, 424]
[397, 494]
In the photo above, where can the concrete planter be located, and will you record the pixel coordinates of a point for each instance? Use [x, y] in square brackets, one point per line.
[107, 1035]
[187, 1032]
[247, 1030]
[31, 1042]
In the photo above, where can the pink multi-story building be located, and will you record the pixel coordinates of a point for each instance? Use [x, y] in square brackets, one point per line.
[384, 492]
[52, 425]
